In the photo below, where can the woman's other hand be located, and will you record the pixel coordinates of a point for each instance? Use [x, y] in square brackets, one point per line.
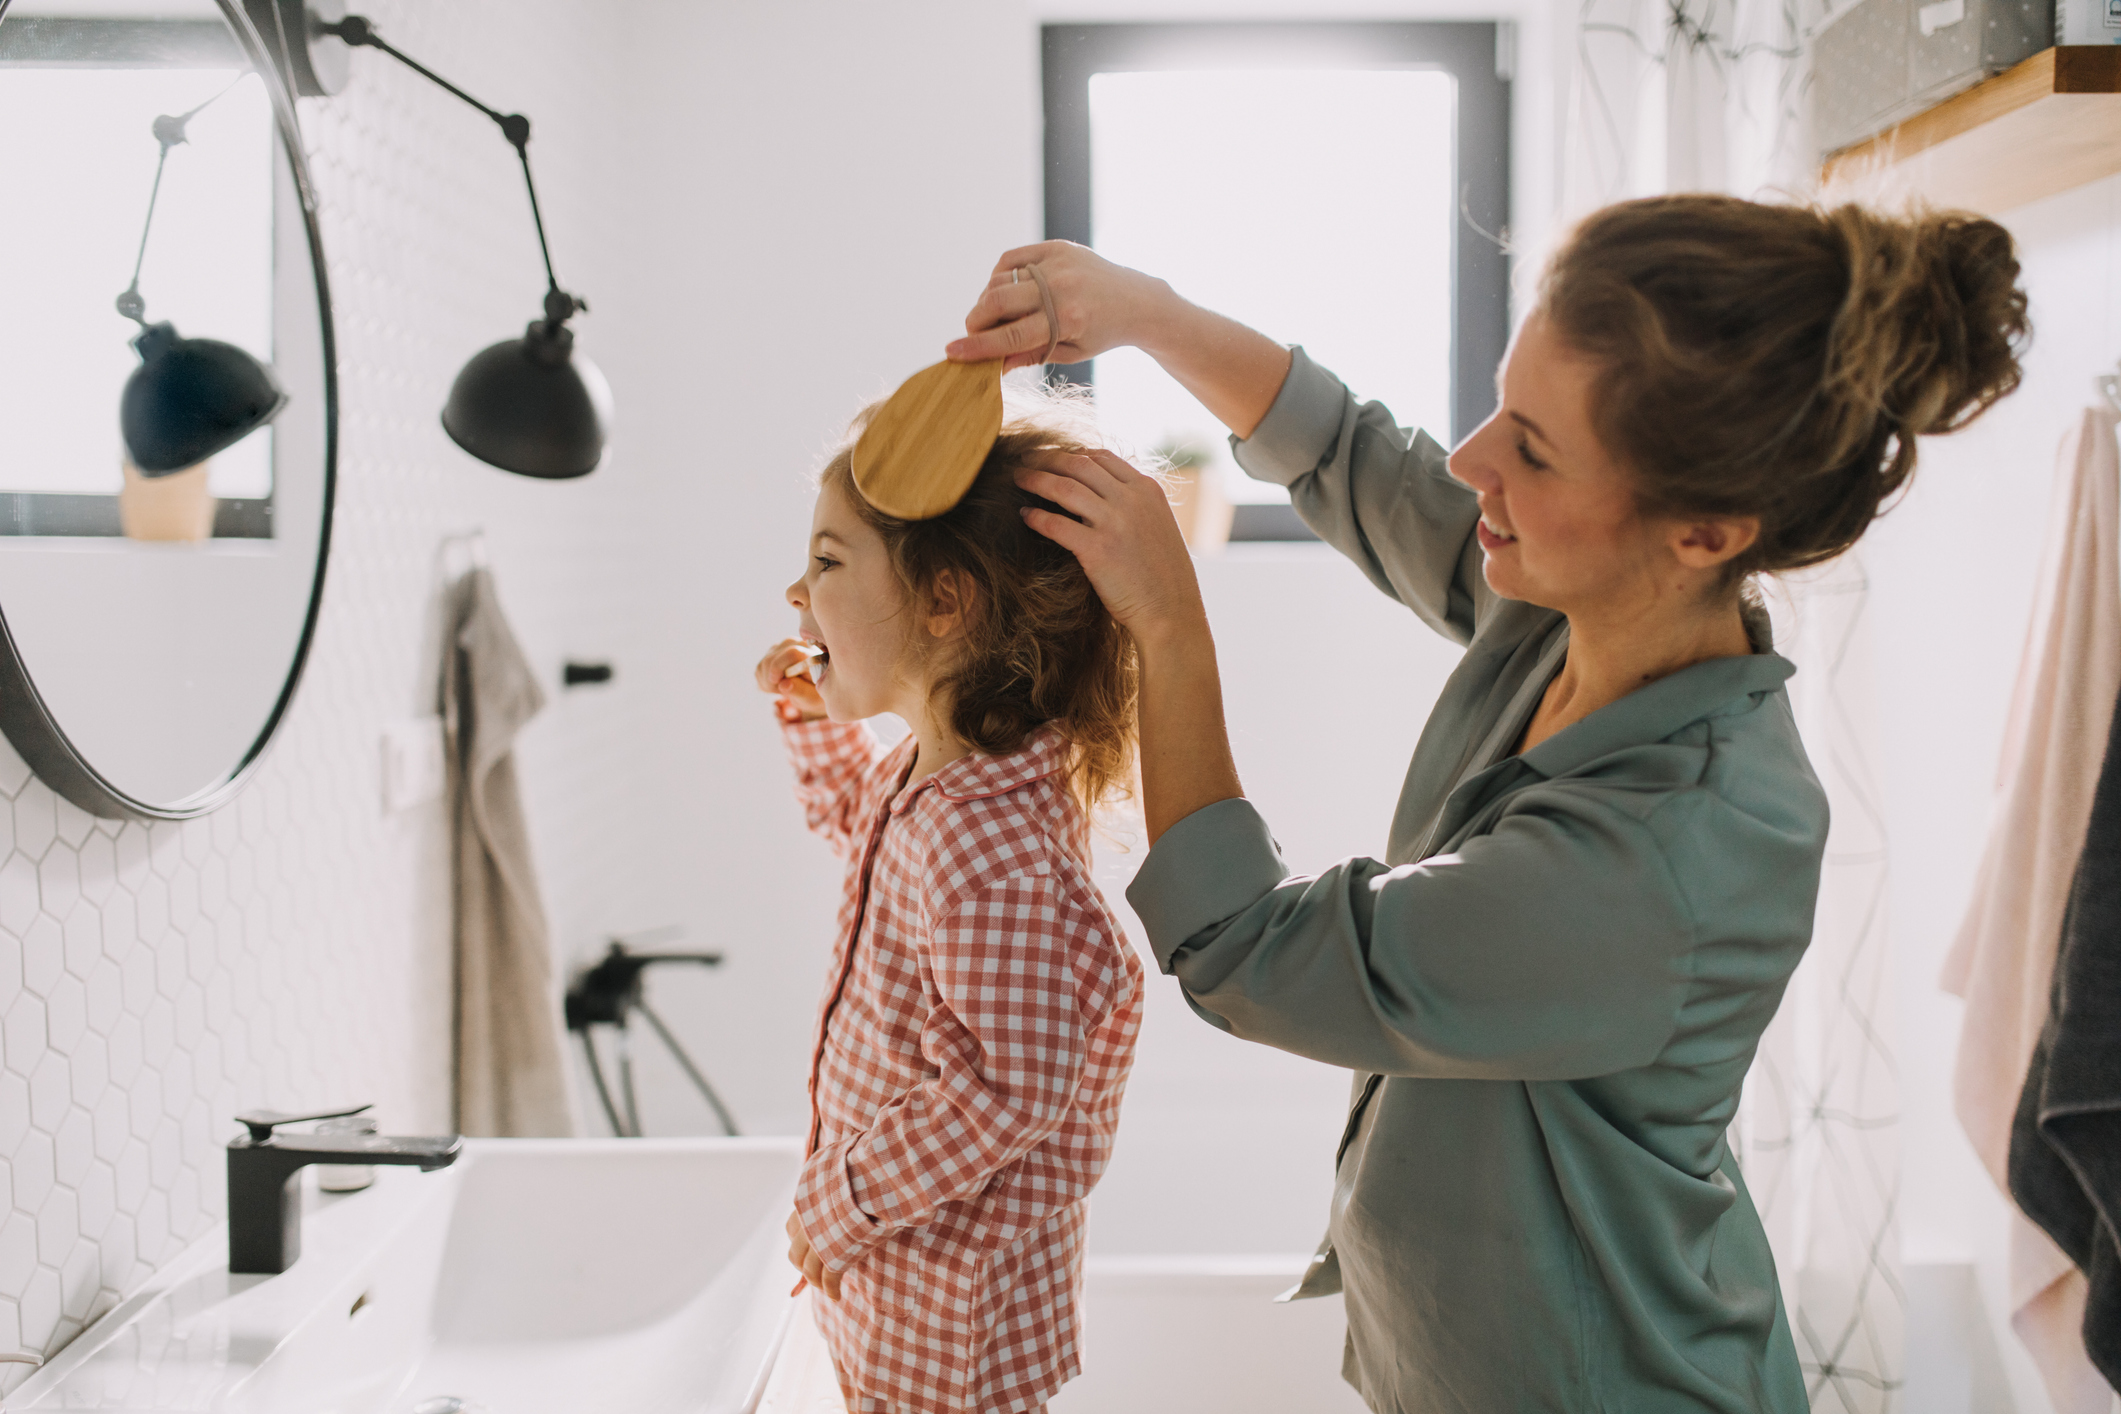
[780, 674]
[1098, 305]
[1125, 536]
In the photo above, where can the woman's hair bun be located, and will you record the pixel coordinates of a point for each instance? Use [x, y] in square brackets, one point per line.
[1934, 320]
[1780, 360]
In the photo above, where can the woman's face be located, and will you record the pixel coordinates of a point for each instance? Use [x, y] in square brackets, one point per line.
[1558, 516]
[853, 606]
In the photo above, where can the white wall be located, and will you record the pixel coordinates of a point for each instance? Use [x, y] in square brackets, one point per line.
[1953, 571]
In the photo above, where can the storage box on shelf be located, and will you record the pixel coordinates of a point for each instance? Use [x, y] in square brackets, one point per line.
[1879, 62]
[2045, 125]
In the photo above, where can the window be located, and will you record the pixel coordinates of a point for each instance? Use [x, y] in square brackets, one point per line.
[1342, 186]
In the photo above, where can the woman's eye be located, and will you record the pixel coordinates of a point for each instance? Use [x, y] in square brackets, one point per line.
[1524, 451]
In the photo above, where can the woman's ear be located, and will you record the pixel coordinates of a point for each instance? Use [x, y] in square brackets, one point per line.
[1709, 543]
[947, 605]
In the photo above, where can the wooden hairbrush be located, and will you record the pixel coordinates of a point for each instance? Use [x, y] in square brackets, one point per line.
[923, 449]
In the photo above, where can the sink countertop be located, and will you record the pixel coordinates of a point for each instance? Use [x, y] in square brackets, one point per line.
[195, 1333]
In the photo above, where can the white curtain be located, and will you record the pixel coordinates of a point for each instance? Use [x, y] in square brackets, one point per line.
[1688, 95]
[1708, 95]
[1818, 1129]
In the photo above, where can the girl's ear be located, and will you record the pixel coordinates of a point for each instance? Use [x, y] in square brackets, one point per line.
[947, 605]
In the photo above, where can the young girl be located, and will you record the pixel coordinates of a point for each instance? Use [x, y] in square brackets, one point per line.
[980, 1012]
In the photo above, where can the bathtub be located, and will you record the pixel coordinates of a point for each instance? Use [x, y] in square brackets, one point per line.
[1202, 1334]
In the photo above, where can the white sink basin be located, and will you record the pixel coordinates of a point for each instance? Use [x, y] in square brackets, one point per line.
[533, 1277]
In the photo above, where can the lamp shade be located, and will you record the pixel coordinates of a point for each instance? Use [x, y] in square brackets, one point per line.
[532, 406]
[191, 398]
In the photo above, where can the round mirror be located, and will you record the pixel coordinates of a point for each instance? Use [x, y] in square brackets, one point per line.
[167, 405]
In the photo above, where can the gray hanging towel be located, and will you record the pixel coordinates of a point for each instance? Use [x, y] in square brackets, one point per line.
[509, 1077]
[2065, 1165]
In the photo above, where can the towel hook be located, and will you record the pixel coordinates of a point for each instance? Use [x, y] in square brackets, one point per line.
[462, 553]
[2109, 386]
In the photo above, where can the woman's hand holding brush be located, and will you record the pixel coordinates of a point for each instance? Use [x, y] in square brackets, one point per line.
[1096, 305]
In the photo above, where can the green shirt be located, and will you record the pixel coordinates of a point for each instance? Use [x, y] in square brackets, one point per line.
[1549, 989]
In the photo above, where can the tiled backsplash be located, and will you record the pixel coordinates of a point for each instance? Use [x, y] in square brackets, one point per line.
[292, 947]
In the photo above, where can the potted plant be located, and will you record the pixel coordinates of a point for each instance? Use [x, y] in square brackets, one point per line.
[1197, 498]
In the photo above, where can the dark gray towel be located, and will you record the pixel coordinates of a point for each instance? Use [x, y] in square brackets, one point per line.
[2065, 1164]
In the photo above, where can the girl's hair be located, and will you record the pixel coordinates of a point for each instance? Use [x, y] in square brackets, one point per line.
[1037, 644]
[1779, 361]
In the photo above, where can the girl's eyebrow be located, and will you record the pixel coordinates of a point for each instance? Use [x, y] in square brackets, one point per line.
[828, 535]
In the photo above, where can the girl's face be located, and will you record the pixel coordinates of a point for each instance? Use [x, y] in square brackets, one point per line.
[853, 606]
[1558, 516]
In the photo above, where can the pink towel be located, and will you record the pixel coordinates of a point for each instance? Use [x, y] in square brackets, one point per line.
[2004, 956]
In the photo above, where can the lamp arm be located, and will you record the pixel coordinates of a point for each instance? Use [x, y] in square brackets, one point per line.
[553, 293]
[129, 302]
[356, 30]
[169, 131]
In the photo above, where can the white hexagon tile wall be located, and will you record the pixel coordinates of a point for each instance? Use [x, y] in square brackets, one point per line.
[292, 948]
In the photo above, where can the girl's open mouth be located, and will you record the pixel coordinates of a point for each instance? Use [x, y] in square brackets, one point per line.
[814, 666]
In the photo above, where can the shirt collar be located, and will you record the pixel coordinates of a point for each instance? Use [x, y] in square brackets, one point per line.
[1666, 706]
[976, 775]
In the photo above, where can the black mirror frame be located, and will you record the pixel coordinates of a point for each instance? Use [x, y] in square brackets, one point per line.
[24, 717]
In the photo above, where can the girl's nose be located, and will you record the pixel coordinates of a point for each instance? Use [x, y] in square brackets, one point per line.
[797, 597]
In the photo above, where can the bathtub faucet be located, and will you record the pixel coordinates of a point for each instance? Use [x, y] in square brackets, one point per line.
[265, 1204]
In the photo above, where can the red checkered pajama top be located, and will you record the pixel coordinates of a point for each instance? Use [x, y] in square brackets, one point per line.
[973, 1041]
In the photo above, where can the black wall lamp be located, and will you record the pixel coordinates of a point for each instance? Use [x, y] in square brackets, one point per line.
[189, 398]
[534, 405]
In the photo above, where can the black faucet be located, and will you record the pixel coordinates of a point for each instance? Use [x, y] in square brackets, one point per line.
[265, 1205]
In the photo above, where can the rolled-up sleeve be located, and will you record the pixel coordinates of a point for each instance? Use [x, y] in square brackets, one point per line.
[1553, 947]
[1380, 495]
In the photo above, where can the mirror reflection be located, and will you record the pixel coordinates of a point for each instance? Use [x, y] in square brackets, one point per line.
[164, 487]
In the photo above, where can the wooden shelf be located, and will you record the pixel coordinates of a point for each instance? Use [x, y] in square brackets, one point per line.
[2049, 124]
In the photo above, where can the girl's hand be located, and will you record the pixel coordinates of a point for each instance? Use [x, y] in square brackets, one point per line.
[795, 697]
[1097, 304]
[1126, 538]
[808, 1262]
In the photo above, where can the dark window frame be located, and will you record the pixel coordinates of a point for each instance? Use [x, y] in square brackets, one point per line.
[1478, 54]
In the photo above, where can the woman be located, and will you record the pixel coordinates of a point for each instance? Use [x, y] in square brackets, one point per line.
[1604, 863]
